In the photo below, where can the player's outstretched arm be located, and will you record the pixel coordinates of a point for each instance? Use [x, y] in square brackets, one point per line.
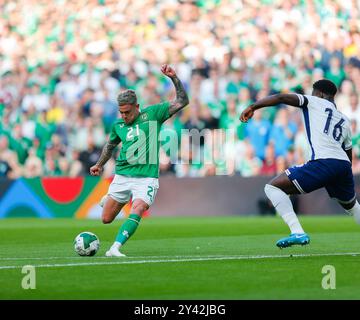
[182, 98]
[104, 157]
[276, 99]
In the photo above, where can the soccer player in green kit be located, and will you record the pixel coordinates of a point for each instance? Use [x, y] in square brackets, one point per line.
[137, 167]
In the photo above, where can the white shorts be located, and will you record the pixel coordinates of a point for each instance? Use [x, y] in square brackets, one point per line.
[123, 188]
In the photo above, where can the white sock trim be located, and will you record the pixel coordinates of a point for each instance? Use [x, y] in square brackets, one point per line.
[116, 245]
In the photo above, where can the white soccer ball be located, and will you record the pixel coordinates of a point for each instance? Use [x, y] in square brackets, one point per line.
[86, 244]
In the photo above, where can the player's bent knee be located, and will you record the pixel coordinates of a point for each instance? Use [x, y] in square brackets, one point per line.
[140, 207]
[269, 189]
[106, 219]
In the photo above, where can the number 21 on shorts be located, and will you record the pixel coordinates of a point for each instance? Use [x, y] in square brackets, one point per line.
[150, 193]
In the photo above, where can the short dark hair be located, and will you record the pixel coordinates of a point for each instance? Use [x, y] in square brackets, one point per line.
[127, 97]
[325, 86]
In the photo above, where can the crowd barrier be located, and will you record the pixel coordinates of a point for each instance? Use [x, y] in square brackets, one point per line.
[62, 197]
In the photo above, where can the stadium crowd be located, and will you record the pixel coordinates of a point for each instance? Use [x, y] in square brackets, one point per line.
[63, 62]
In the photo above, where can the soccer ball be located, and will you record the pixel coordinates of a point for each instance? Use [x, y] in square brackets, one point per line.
[86, 244]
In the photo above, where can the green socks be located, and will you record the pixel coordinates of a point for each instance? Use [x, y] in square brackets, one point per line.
[128, 228]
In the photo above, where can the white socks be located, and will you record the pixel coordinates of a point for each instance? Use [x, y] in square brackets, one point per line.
[116, 245]
[355, 211]
[284, 207]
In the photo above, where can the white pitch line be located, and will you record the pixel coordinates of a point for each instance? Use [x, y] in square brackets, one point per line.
[78, 257]
[124, 261]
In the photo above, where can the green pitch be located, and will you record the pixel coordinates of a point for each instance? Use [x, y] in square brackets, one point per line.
[181, 258]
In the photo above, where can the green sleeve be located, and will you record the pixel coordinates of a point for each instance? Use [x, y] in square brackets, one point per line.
[160, 111]
[113, 137]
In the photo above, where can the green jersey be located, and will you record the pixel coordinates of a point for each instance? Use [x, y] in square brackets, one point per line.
[139, 154]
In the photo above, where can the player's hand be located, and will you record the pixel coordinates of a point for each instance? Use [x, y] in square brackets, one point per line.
[96, 170]
[247, 114]
[168, 71]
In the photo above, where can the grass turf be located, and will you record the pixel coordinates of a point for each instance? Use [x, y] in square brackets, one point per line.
[181, 258]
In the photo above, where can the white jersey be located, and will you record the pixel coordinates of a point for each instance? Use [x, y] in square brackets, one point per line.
[327, 129]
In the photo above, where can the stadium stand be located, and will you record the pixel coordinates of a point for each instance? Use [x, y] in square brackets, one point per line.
[62, 66]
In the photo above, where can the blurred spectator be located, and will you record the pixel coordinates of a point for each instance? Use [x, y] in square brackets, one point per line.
[291, 157]
[249, 165]
[64, 166]
[234, 150]
[352, 110]
[90, 155]
[335, 73]
[244, 99]
[281, 165]
[257, 131]
[33, 165]
[355, 138]
[86, 100]
[342, 99]
[282, 133]
[109, 110]
[165, 165]
[230, 119]
[68, 89]
[213, 88]
[268, 167]
[8, 159]
[34, 97]
[76, 167]
[301, 146]
[356, 163]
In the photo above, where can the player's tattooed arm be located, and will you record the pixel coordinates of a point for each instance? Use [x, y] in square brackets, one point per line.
[182, 98]
[104, 157]
[106, 153]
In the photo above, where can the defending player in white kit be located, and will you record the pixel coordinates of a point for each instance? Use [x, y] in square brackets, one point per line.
[329, 138]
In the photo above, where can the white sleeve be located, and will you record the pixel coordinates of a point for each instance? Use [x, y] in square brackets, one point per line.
[348, 140]
[303, 100]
